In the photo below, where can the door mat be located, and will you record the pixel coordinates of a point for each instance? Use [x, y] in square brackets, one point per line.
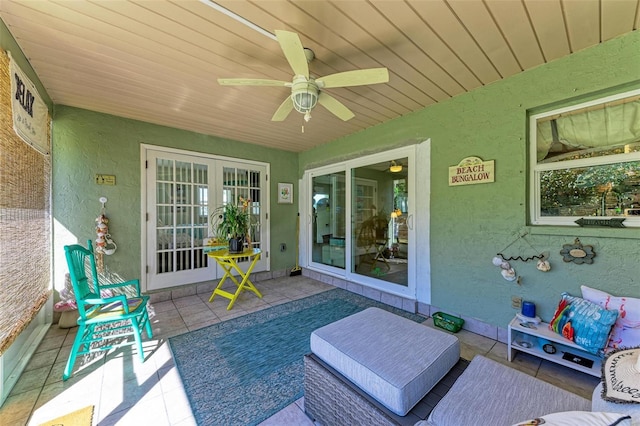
[81, 417]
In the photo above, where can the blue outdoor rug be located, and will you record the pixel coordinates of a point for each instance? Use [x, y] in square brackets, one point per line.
[244, 370]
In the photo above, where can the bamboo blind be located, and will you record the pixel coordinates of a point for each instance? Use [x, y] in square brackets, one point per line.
[25, 223]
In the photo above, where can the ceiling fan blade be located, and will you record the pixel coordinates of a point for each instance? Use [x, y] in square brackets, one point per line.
[335, 107]
[251, 82]
[283, 110]
[293, 51]
[354, 78]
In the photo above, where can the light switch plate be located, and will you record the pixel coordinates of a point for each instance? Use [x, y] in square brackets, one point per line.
[516, 302]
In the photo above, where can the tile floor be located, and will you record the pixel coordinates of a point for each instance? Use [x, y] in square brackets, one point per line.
[127, 392]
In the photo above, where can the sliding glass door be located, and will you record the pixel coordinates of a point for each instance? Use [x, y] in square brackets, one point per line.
[360, 223]
[379, 211]
[328, 219]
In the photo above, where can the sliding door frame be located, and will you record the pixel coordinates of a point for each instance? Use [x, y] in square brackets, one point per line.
[418, 226]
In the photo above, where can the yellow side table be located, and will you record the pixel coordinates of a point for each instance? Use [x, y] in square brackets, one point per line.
[228, 262]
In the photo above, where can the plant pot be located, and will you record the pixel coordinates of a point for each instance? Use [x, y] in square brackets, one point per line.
[236, 245]
[68, 319]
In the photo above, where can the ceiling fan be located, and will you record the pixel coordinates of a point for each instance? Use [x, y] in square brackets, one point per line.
[307, 91]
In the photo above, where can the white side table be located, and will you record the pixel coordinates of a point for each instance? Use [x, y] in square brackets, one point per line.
[531, 340]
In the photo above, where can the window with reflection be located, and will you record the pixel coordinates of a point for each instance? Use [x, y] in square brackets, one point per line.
[328, 225]
[379, 208]
[586, 161]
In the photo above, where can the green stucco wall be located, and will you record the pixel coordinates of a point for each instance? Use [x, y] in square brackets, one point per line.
[86, 143]
[470, 224]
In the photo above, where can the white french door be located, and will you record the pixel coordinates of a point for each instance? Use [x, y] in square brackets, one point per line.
[181, 192]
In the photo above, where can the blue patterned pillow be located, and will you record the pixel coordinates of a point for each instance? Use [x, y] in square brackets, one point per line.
[584, 323]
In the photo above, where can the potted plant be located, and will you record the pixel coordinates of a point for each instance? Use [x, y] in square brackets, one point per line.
[231, 222]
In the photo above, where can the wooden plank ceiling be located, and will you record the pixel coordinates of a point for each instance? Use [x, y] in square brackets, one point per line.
[158, 61]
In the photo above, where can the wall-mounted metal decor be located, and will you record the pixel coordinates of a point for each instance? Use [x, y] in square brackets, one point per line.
[611, 223]
[577, 253]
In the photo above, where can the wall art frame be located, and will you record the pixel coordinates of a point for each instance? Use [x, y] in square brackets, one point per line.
[285, 193]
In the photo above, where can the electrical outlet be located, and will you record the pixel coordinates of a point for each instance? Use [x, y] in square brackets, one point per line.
[516, 302]
[283, 247]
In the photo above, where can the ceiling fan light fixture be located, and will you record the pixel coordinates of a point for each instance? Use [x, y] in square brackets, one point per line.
[304, 94]
[304, 102]
[395, 168]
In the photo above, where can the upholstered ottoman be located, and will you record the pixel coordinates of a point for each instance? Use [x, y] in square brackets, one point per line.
[393, 359]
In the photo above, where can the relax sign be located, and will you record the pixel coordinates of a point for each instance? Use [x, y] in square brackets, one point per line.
[30, 114]
[471, 170]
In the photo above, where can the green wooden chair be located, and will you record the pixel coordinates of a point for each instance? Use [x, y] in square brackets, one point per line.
[103, 318]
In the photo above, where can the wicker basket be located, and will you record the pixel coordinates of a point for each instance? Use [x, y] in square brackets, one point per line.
[448, 322]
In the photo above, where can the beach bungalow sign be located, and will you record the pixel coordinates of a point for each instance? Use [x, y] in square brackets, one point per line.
[470, 171]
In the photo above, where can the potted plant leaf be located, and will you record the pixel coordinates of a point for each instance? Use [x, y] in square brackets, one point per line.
[231, 222]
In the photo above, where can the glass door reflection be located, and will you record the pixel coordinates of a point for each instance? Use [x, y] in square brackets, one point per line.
[328, 219]
[379, 205]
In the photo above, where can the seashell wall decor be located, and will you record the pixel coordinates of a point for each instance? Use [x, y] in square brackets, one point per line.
[543, 265]
[509, 274]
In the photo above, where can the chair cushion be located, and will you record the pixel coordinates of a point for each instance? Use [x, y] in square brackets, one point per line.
[395, 360]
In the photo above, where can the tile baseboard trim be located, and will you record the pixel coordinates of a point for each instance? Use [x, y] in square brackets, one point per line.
[207, 286]
[470, 324]
[473, 325]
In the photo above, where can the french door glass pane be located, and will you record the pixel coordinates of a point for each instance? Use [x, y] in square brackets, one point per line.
[243, 184]
[182, 215]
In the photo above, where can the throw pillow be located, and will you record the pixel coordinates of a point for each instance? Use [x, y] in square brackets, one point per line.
[626, 330]
[579, 418]
[584, 323]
